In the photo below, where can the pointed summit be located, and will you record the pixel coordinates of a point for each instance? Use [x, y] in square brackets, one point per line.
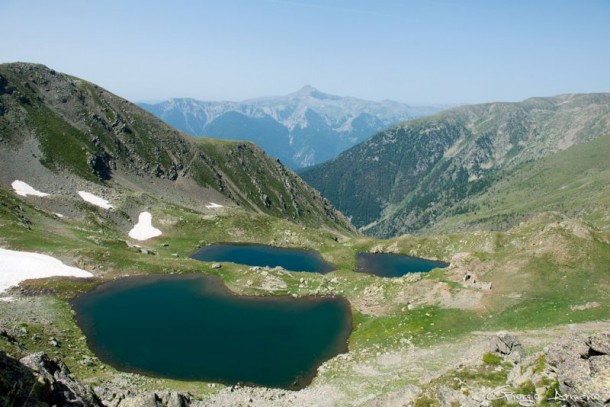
[310, 91]
[306, 90]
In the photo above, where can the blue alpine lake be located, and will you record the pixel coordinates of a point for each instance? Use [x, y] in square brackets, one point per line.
[261, 255]
[193, 328]
[394, 265]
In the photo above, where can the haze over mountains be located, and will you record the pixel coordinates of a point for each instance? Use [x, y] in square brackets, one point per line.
[60, 132]
[411, 177]
[303, 128]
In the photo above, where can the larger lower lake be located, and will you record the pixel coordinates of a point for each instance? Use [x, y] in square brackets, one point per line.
[394, 265]
[261, 255]
[193, 328]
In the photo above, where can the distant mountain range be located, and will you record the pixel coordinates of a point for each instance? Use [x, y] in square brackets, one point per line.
[61, 131]
[464, 163]
[303, 128]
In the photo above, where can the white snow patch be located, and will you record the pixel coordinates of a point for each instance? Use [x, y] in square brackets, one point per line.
[16, 267]
[144, 229]
[7, 299]
[59, 215]
[213, 205]
[95, 200]
[23, 189]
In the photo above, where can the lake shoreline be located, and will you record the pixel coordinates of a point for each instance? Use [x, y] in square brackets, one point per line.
[259, 255]
[393, 265]
[214, 288]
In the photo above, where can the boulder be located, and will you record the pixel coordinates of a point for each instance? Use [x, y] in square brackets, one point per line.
[508, 346]
[16, 382]
[6, 335]
[175, 399]
[568, 347]
[37, 380]
[583, 368]
[142, 400]
[599, 343]
[118, 397]
[55, 385]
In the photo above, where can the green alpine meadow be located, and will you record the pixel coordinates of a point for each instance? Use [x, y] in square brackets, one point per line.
[527, 245]
[304, 203]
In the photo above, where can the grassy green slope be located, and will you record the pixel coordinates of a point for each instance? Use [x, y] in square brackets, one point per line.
[409, 177]
[83, 130]
[575, 181]
[550, 270]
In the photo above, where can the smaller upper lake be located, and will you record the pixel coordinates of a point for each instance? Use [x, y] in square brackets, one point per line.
[261, 255]
[394, 265]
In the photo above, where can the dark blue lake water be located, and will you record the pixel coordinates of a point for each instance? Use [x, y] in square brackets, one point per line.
[261, 255]
[193, 328]
[394, 265]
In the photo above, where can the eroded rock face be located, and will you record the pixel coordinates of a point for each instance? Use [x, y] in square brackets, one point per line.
[600, 343]
[114, 397]
[101, 164]
[508, 346]
[37, 380]
[15, 381]
[583, 368]
[58, 382]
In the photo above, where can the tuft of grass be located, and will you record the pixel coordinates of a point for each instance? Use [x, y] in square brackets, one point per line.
[425, 401]
[540, 364]
[527, 388]
[492, 359]
[551, 395]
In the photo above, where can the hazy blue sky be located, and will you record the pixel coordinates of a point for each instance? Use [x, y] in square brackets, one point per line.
[442, 51]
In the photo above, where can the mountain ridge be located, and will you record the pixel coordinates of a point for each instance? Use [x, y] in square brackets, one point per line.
[309, 126]
[414, 173]
[54, 124]
[546, 277]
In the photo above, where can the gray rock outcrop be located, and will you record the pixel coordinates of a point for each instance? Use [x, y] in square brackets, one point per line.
[38, 380]
[583, 368]
[508, 346]
[112, 397]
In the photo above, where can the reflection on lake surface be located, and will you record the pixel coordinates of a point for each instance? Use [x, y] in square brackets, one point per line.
[193, 328]
[262, 255]
[394, 265]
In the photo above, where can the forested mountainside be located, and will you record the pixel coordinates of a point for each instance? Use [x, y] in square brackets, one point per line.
[412, 177]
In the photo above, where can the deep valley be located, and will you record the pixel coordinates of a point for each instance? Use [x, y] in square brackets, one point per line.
[513, 198]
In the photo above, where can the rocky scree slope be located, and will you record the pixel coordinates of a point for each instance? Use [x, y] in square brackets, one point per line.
[574, 182]
[62, 131]
[573, 369]
[38, 380]
[406, 178]
[303, 128]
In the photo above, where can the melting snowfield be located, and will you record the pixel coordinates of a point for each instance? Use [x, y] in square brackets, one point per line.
[95, 200]
[144, 229]
[23, 189]
[213, 205]
[16, 267]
